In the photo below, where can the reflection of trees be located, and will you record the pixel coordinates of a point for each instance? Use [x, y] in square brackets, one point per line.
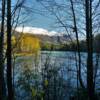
[49, 83]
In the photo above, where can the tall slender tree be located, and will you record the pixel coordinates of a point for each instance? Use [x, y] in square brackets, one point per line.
[89, 39]
[2, 85]
[9, 60]
[78, 44]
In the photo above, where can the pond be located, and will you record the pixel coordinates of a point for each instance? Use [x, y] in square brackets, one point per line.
[63, 63]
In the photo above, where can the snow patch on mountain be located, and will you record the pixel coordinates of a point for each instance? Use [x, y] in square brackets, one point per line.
[38, 31]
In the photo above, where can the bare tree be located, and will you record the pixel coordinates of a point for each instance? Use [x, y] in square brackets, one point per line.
[9, 53]
[78, 45]
[2, 83]
[89, 13]
[89, 39]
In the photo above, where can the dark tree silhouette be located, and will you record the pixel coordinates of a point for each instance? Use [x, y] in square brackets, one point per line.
[78, 44]
[89, 40]
[9, 61]
[2, 83]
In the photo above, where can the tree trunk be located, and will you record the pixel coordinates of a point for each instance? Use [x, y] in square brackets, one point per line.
[9, 59]
[78, 45]
[2, 82]
[89, 39]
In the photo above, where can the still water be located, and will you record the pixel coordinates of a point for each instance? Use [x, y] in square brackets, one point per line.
[65, 63]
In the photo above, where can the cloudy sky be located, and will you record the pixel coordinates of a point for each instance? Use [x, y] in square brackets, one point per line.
[37, 16]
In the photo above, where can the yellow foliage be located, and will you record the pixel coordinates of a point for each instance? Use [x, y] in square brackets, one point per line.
[34, 92]
[13, 39]
[26, 44]
[46, 82]
[29, 44]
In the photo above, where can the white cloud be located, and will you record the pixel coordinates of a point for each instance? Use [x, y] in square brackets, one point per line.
[35, 30]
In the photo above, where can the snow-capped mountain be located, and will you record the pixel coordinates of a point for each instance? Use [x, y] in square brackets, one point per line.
[37, 31]
[44, 35]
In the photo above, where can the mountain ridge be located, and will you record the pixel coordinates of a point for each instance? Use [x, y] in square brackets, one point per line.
[54, 38]
[39, 31]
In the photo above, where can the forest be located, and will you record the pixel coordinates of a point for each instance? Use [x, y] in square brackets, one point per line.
[58, 58]
[69, 46]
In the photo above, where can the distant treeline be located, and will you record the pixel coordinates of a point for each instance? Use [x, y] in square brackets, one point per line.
[72, 46]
